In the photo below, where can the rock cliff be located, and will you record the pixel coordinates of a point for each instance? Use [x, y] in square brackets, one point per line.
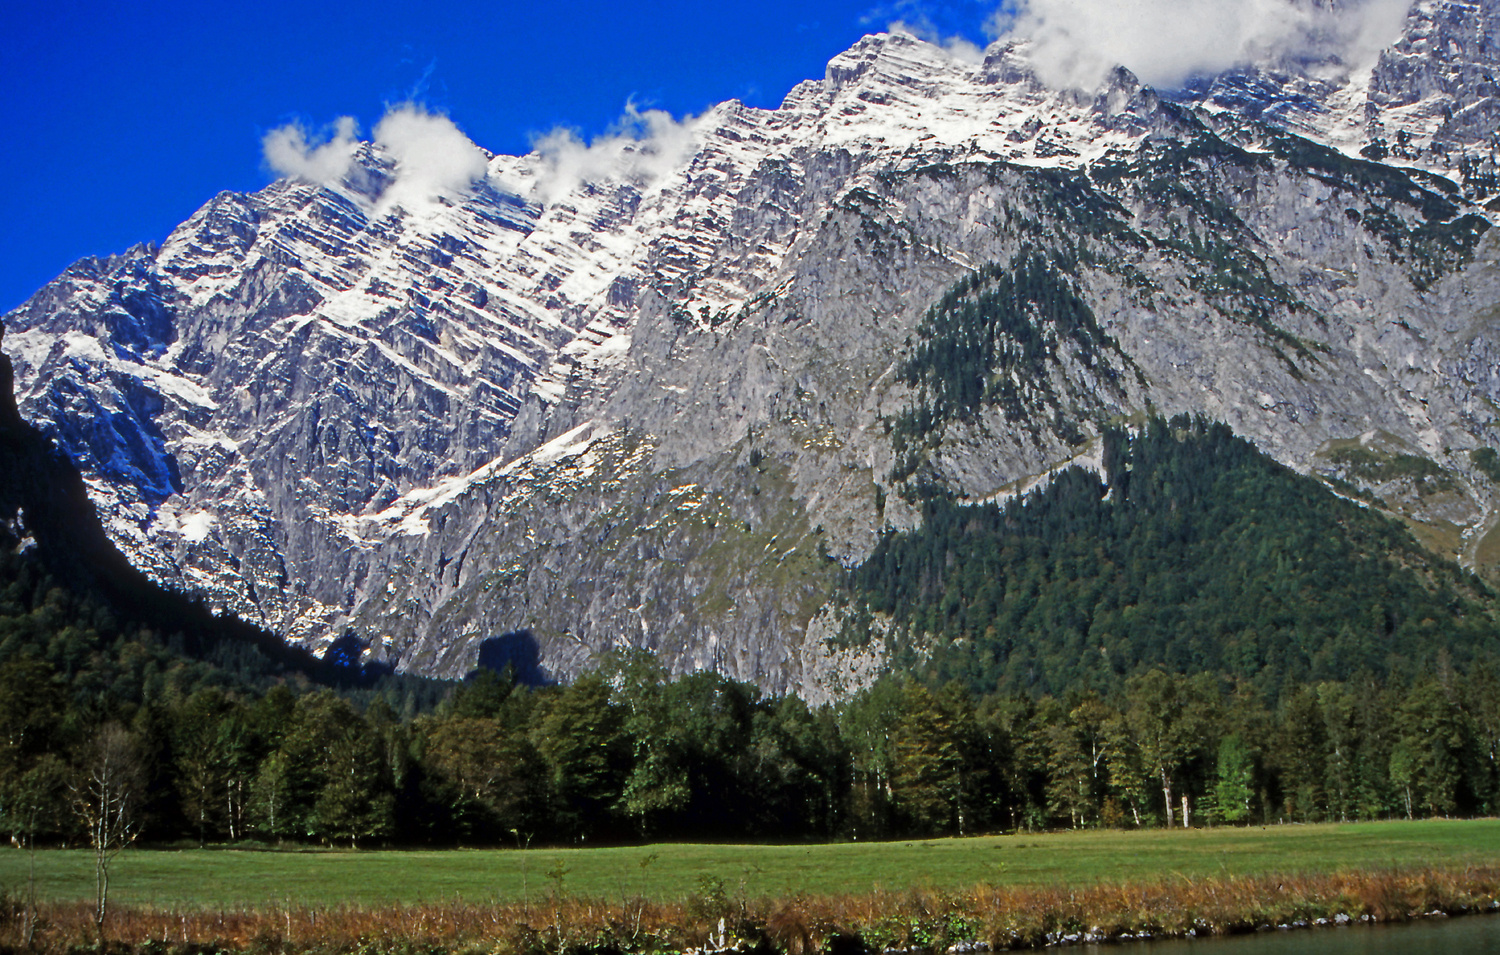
[662, 404]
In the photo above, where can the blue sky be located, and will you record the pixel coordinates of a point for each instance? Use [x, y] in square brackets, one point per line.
[124, 118]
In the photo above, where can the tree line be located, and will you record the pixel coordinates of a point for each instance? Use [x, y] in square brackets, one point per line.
[626, 753]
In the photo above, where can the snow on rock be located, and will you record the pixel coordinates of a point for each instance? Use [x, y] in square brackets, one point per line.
[322, 410]
[1428, 102]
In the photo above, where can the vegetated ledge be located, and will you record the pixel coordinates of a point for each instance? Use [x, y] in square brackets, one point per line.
[715, 920]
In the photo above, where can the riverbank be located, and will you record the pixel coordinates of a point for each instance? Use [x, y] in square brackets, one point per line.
[719, 918]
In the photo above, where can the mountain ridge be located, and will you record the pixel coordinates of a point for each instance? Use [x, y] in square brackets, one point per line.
[640, 412]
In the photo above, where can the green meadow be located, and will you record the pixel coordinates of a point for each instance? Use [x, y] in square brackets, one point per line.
[238, 877]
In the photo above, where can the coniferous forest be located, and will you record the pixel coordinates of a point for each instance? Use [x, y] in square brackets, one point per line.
[1193, 552]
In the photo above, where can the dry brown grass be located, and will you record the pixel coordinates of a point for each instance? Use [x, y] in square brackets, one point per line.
[921, 921]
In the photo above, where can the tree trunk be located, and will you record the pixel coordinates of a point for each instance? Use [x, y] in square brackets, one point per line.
[1166, 789]
[101, 892]
[28, 931]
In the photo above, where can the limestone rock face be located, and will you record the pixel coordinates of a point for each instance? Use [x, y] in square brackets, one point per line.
[665, 402]
[1428, 101]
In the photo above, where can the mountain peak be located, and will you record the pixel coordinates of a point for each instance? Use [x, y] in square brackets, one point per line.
[651, 390]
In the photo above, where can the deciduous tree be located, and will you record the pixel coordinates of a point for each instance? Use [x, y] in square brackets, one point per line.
[105, 792]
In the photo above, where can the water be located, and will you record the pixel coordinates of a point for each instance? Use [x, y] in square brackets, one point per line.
[1470, 935]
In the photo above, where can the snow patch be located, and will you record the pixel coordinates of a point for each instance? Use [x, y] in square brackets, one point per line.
[568, 444]
[87, 347]
[196, 526]
[410, 515]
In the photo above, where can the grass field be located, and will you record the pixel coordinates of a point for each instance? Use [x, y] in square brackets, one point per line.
[232, 877]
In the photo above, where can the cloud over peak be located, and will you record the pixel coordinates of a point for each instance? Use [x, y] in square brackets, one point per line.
[290, 151]
[642, 148]
[432, 156]
[1075, 43]
[961, 49]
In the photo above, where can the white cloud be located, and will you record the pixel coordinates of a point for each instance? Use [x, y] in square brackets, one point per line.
[433, 157]
[956, 46]
[641, 148]
[290, 152]
[1075, 43]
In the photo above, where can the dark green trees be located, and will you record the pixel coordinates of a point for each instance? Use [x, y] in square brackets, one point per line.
[627, 753]
[1192, 552]
[582, 739]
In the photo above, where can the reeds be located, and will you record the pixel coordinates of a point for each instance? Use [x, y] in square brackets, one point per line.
[982, 918]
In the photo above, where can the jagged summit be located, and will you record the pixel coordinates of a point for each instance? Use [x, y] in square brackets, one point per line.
[1428, 101]
[657, 393]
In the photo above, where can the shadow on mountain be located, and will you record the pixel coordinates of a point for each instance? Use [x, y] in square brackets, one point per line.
[52, 533]
[343, 662]
[516, 651]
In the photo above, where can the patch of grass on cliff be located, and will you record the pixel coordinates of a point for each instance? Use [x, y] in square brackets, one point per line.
[1425, 475]
[775, 546]
[1487, 461]
[210, 878]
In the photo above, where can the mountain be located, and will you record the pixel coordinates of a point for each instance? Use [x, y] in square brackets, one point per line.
[1427, 102]
[70, 599]
[666, 396]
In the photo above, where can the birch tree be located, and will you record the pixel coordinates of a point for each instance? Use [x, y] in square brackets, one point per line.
[105, 794]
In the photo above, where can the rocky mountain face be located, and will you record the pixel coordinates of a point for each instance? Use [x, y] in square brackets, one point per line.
[664, 404]
[1428, 101]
